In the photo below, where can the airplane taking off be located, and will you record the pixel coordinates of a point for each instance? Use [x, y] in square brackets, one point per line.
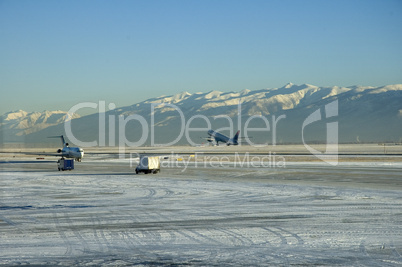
[218, 137]
[68, 152]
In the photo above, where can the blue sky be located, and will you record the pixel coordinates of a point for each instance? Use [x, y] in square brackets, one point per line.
[55, 54]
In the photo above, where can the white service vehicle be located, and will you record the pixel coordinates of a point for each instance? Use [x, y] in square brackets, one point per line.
[148, 165]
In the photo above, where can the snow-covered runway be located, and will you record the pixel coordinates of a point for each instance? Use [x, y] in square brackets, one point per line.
[103, 214]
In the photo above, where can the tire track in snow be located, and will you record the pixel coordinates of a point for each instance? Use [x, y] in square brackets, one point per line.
[281, 237]
[300, 241]
[76, 233]
[62, 235]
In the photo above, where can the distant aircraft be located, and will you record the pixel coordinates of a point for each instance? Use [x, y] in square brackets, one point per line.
[68, 152]
[218, 137]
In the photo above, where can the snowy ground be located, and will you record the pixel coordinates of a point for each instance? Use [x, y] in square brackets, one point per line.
[103, 214]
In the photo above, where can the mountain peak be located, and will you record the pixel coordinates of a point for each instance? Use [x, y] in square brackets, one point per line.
[288, 85]
[213, 94]
[177, 97]
[181, 95]
[245, 92]
[21, 123]
[13, 115]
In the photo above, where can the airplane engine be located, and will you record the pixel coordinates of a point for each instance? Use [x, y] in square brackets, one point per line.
[58, 150]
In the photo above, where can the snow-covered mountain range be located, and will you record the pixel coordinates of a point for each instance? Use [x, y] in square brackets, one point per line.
[364, 114]
[16, 125]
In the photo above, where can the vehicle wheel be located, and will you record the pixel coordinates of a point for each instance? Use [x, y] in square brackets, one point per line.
[59, 169]
[136, 171]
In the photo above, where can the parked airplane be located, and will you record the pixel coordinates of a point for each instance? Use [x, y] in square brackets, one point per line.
[218, 137]
[68, 152]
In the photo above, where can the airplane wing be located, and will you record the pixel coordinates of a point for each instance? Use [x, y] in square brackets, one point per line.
[44, 154]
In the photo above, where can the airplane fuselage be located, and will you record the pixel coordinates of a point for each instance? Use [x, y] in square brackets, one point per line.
[218, 137]
[72, 152]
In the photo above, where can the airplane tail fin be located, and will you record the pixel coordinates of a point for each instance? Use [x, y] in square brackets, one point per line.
[62, 139]
[236, 137]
